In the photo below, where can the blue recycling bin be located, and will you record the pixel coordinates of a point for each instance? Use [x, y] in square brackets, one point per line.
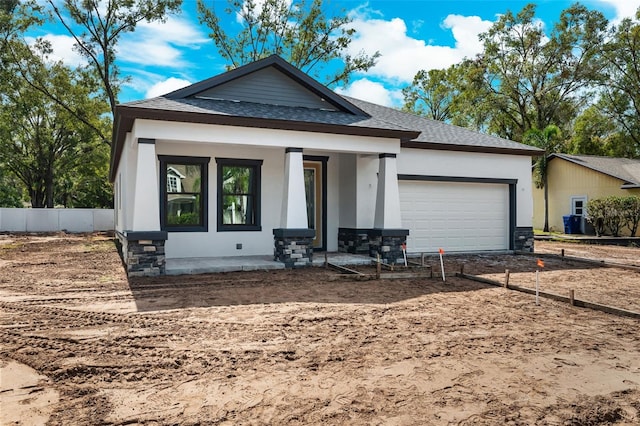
[572, 224]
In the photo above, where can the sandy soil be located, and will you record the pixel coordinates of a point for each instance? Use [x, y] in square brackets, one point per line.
[614, 254]
[80, 344]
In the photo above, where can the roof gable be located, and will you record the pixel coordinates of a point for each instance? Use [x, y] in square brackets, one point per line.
[625, 169]
[271, 81]
[267, 86]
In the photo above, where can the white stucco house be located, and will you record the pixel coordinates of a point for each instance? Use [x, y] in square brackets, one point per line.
[265, 160]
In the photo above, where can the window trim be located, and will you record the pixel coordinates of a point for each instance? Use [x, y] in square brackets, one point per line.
[573, 208]
[239, 162]
[203, 162]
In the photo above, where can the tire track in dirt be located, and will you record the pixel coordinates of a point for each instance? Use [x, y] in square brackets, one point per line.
[277, 348]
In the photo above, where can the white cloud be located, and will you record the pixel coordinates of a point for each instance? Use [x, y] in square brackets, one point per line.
[623, 8]
[151, 44]
[371, 91]
[62, 46]
[465, 31]
[403, 56]
[161, 43]
[166, 86]
[151, 52]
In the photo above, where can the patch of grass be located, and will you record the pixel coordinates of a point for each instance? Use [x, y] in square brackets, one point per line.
[577, 242]
[11, 246]
[100, 246]
[541, 232]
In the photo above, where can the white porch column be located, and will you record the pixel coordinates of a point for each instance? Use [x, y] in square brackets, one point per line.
[294, 201]
[146, 200]
[387, 214]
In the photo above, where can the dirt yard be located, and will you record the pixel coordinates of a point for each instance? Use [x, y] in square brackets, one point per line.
[80, 344]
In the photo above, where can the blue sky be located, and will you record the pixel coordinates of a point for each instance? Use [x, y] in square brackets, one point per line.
[410, 34]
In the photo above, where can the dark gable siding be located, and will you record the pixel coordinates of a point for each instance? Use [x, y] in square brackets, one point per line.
[267, 86]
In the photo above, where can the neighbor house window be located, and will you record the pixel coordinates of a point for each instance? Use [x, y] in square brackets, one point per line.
[183, 201]
[238, 194]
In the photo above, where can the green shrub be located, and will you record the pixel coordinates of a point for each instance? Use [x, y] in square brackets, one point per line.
[596, 211]
[611, 214]
[184, 219]
[614, 219]
[631, 213]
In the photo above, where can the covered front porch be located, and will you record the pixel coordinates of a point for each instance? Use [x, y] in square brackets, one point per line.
[303, 200]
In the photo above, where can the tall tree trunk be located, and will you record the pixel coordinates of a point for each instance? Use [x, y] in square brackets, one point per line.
[546, 203]
[48, 183]
[37, 196]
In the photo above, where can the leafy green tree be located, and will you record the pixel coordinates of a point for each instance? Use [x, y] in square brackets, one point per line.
[452, 95]
[593, 132]
[40, 141]
[296, 30]
[97, 25]
[49, 118]
[621, 94]
[21, 61]
[549, 140]
[534, 79]
[15, 19]
[596, 133]
[86, 183]
[10, 189]
[432, 94]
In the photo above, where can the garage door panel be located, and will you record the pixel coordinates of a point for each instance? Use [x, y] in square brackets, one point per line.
[455, 216]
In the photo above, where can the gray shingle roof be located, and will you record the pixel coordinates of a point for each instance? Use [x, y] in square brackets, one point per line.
[432, 133]
[263, 111]
[625, 169]
[438, 132]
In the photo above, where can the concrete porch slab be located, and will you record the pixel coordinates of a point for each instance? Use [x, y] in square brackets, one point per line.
[342, 259]
[206, 265]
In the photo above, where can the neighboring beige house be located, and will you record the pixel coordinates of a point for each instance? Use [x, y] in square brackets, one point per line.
[576, 179]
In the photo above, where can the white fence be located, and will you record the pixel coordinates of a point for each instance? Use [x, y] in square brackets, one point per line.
[54, 220]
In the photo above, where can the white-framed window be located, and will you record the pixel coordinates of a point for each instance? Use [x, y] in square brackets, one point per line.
[173, 184]
[579, 205]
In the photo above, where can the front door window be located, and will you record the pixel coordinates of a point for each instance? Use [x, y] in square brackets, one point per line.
[313, 192]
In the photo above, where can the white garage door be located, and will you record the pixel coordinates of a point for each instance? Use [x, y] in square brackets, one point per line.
[455, 216]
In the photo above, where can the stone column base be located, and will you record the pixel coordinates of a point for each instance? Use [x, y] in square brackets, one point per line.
[388, 243]
[523, 239]
[385, 242]
[293, 247]
[143, 252]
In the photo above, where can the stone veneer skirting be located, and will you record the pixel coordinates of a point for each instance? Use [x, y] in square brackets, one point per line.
[353, 240]
[523, 239]
[384, 242]
[293, 247]
[143, 252]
